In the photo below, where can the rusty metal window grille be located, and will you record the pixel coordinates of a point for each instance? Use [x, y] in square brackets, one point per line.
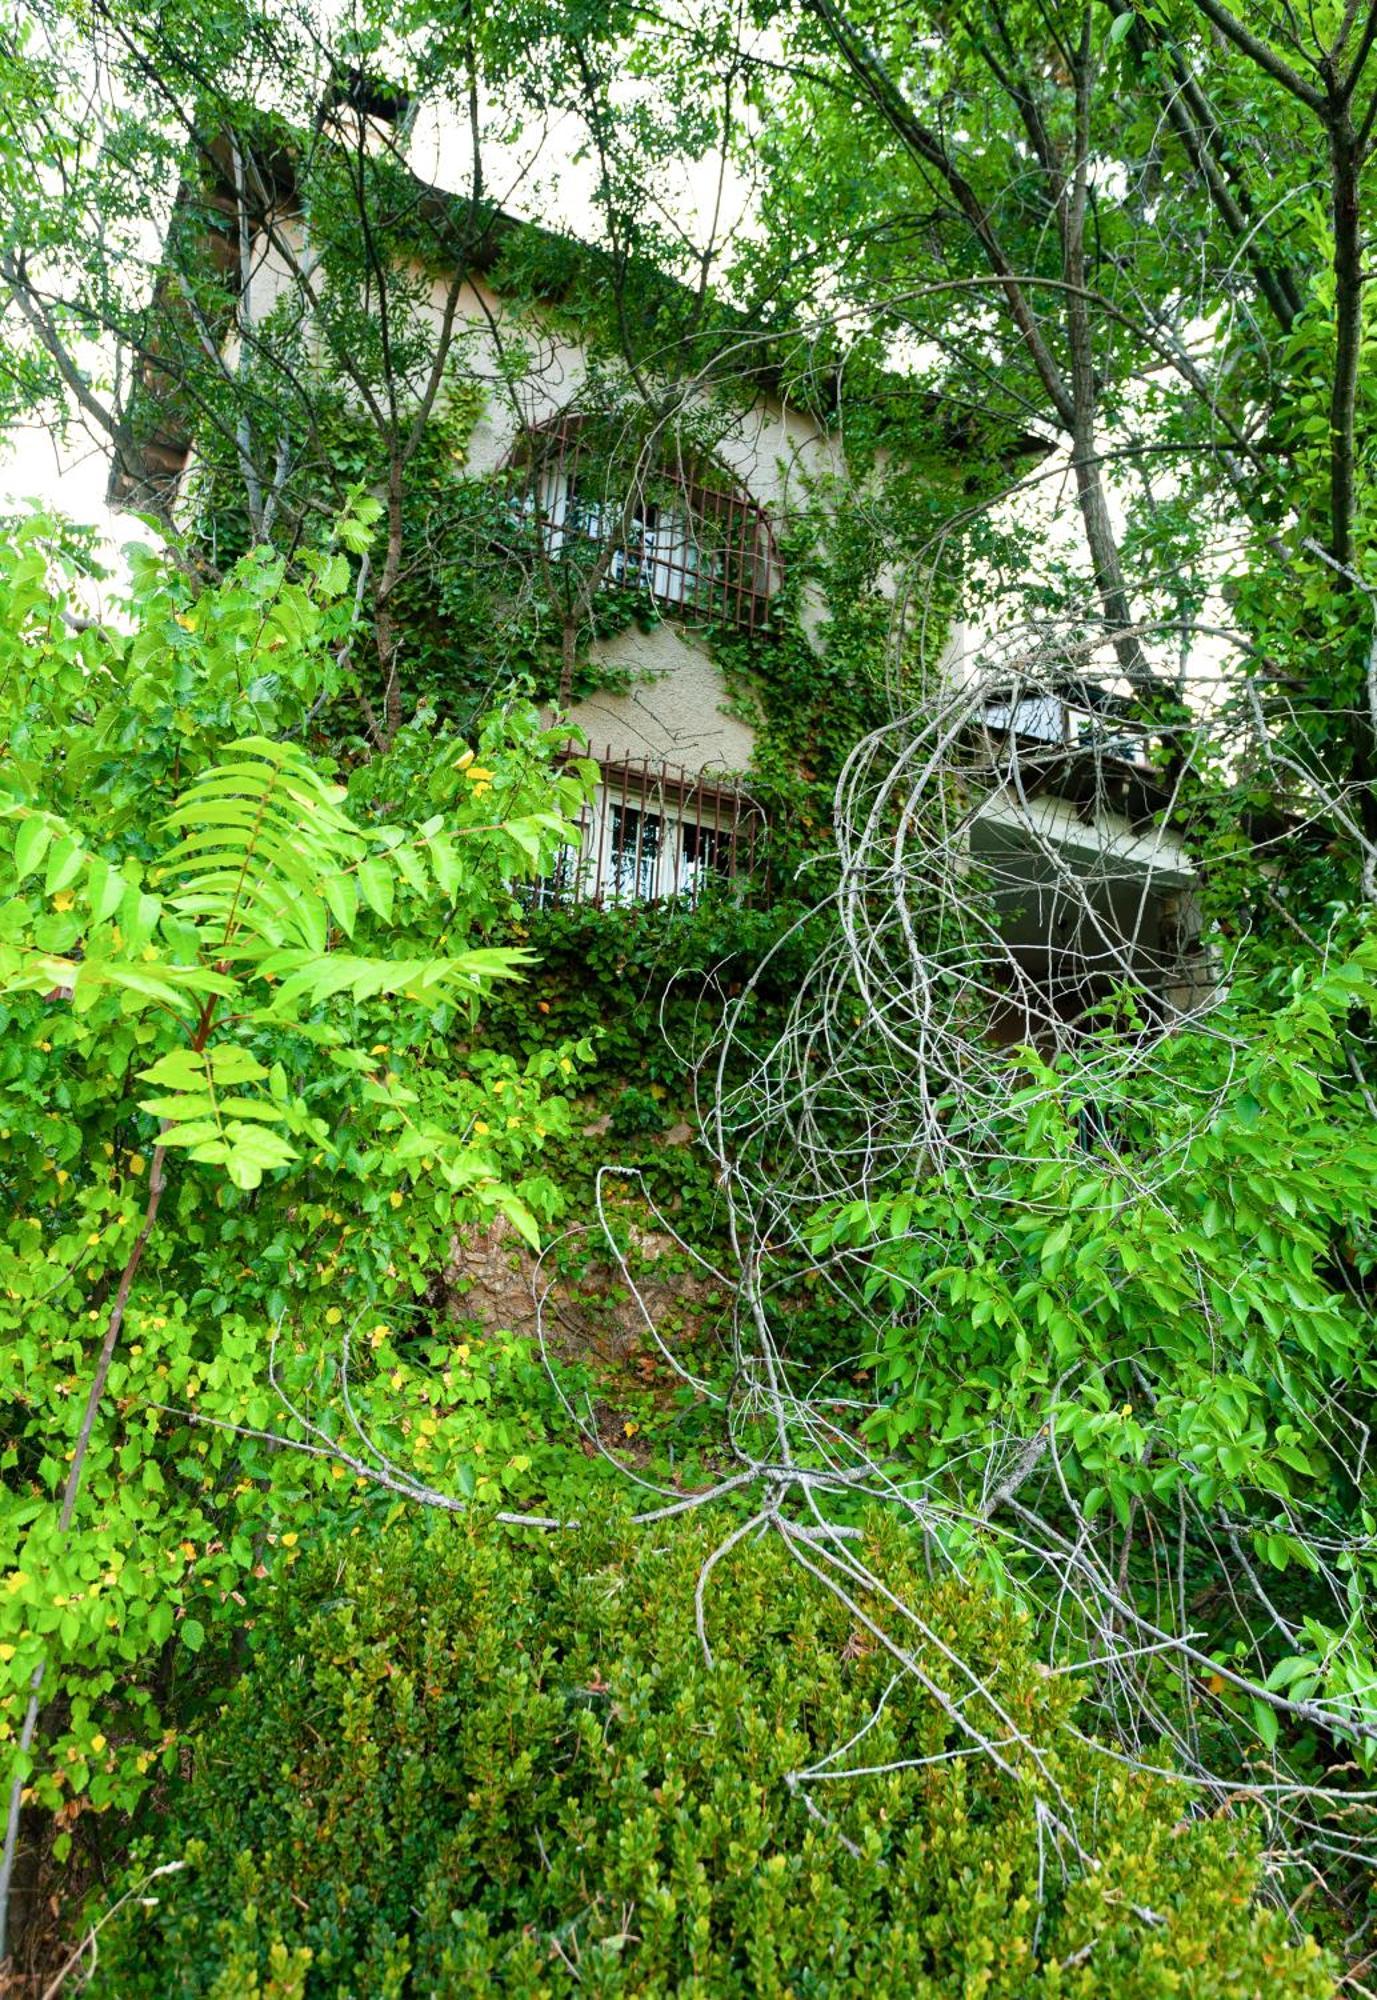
[691, 540]
[655, 833]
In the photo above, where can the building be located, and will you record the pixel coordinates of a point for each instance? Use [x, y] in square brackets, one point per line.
[680, 504]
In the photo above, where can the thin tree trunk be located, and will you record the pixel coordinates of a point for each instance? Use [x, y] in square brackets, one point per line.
[69, 1500]
[1345, 160]
[386, 634]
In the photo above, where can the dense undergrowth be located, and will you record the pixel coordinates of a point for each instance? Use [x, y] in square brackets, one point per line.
[463, 1763]
[258, 1074]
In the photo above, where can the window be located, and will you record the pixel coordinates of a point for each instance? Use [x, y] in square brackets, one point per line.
[657, 551]
[1039, 716]
[1084, 719]
[688, 537]
[635, 845]
[652, 834]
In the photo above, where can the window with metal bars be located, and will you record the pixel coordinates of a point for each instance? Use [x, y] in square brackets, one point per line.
[684, 533]
[653, 834]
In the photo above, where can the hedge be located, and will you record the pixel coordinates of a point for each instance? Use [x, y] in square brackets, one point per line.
[466, 1763]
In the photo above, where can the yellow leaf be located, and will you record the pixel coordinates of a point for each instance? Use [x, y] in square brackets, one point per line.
[334, 1316]
[395, 1198]
[63, 900]
[289, 1540]
[137, 1163]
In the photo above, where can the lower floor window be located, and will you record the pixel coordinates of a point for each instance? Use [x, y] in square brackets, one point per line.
[649, 836]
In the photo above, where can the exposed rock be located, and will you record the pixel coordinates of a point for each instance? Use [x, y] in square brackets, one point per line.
[592, 1316]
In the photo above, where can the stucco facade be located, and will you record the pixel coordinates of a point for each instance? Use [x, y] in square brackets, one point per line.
[676, 755]
[675, 713]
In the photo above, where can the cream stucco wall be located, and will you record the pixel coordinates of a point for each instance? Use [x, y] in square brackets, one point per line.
[675, 712]
[677, 719]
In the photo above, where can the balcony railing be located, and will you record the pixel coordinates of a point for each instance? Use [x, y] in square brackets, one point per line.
[1085, 722]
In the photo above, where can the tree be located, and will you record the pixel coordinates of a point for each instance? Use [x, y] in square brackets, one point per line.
[304, 312]
[230, 1080]
[1103, 219]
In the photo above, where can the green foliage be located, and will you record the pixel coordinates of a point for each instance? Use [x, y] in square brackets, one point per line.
[1176, 1332]
[237, 989]
[462, 1765]
[644, 986]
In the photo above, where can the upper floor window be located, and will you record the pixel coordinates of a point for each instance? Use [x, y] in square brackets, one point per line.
[682, 531]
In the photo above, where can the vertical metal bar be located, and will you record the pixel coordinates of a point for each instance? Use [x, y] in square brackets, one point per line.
[707, 851]
[691, 885]
[603, 808]
[640, 832]
[655, 876]
[731, 543]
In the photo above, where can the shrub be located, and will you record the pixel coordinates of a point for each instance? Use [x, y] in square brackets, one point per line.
[460, 1765]
[240, 1107]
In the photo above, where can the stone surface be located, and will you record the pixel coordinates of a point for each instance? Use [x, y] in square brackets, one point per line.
[595, 1316]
